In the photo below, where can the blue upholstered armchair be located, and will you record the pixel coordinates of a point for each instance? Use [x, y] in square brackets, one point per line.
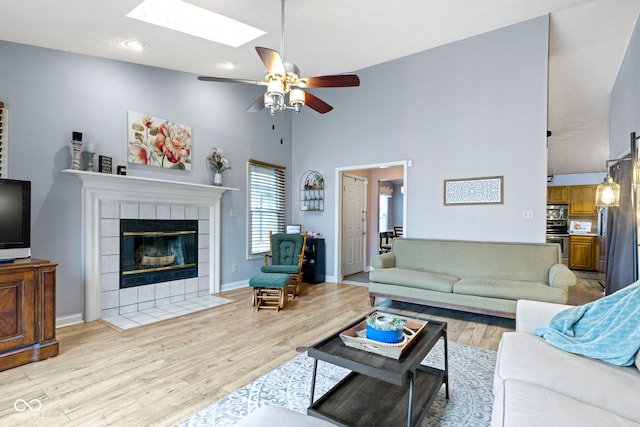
[285, 256]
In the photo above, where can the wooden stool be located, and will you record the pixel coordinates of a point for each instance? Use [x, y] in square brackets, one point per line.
[270, 290]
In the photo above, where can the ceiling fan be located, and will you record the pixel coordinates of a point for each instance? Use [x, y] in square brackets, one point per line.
[284, 84]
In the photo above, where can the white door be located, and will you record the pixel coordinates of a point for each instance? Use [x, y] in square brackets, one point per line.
[353, 224]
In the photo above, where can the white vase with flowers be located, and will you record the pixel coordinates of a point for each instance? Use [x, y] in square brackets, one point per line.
[218, 164]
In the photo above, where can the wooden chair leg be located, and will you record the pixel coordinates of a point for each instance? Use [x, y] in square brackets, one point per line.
[299, 283]
[257, 301]
[271, 298]
[296, 284]
[291, 288]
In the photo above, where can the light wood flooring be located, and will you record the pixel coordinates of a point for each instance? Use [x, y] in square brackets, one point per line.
[162, 373]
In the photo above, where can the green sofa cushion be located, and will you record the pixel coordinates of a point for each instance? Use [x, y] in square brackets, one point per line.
[508, 289]
[413, 279]
[529, 262]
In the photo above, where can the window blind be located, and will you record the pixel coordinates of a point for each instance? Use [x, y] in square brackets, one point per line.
[266, 204]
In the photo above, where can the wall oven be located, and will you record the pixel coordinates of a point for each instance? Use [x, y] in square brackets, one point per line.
[557, 212]
[557, 231]
[563, 241]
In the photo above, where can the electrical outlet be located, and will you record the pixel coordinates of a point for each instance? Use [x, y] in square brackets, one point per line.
[234, 268]
[233, 212]
[527, 214]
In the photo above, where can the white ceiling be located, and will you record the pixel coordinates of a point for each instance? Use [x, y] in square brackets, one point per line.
[587, 42]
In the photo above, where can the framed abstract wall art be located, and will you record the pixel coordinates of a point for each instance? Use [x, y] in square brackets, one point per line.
[158, 142]
[474, 191]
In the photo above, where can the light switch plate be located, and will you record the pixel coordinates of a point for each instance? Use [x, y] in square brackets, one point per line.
[527, 214]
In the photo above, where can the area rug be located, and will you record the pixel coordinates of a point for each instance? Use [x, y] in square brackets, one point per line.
[470, 385]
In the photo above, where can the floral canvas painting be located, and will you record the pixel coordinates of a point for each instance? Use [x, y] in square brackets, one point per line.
[158, 142]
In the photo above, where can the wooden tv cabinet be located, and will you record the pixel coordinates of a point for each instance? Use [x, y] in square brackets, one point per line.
[27, 312]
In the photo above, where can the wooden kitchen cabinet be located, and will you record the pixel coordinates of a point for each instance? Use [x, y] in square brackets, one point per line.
[582, 200]
[583, 253]
[27, 312]
[558, 195]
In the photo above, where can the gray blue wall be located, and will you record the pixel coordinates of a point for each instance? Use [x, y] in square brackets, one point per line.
[624, 119]
[625, 100]
[469, 109]
[474, 108]
[50, 93]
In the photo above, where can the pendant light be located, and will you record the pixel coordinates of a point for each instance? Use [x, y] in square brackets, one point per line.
[608, 193]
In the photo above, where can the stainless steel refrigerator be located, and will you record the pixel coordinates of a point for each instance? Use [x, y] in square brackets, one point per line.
[602, 237]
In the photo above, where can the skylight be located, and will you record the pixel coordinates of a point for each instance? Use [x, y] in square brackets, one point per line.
[180, 16]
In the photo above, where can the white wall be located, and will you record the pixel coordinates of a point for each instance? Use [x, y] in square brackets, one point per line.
[474, 108]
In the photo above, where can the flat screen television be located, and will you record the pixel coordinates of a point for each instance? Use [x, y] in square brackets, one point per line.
[15, 219]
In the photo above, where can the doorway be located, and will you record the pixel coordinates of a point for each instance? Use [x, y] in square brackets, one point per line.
[354, 227]
[390, 206]
[372, 173]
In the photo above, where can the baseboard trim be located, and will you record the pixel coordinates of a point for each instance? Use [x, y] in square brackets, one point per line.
[234, 285]
[71, 319]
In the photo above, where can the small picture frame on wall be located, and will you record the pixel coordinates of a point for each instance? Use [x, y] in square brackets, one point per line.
[104, 164]
[293, 229]
[474, 191]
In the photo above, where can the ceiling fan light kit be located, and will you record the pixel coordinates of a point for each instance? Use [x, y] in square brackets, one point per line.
[284, 83]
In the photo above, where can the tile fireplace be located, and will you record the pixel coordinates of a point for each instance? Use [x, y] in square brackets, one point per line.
[107, 200]
[155, 251]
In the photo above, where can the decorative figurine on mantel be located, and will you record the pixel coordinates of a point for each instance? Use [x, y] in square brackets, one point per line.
[218, 164]
[76, 146]
[88, 157]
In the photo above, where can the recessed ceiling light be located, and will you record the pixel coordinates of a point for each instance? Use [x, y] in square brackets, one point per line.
[229, 65]
[180, 16]
[136, 45]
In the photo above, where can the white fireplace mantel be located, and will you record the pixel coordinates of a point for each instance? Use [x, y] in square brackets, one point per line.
[101, 187]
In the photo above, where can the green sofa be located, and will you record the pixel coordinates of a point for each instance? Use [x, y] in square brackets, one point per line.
[480, 277]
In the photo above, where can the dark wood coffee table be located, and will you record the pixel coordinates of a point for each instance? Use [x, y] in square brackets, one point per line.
[380, 391]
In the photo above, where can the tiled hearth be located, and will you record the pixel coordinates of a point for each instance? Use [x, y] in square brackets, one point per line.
[164, 311]
[107, 199]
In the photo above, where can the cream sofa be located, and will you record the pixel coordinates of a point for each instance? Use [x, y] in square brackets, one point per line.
[537, 384]
[482, 277]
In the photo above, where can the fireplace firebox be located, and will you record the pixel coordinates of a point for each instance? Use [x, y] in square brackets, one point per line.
[154, 251]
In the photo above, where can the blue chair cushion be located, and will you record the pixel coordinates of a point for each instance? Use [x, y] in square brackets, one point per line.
[289, 269]
[286, 248]
[270, 280]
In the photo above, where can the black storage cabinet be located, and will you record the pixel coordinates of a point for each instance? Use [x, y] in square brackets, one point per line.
[313, 270]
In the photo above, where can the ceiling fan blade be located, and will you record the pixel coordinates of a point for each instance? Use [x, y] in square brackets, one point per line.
[271, 60]
[316, 103]
[342, 80]
[227, 80]
[258, 105]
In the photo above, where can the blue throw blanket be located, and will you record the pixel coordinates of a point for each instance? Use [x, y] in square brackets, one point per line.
[606, 329]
